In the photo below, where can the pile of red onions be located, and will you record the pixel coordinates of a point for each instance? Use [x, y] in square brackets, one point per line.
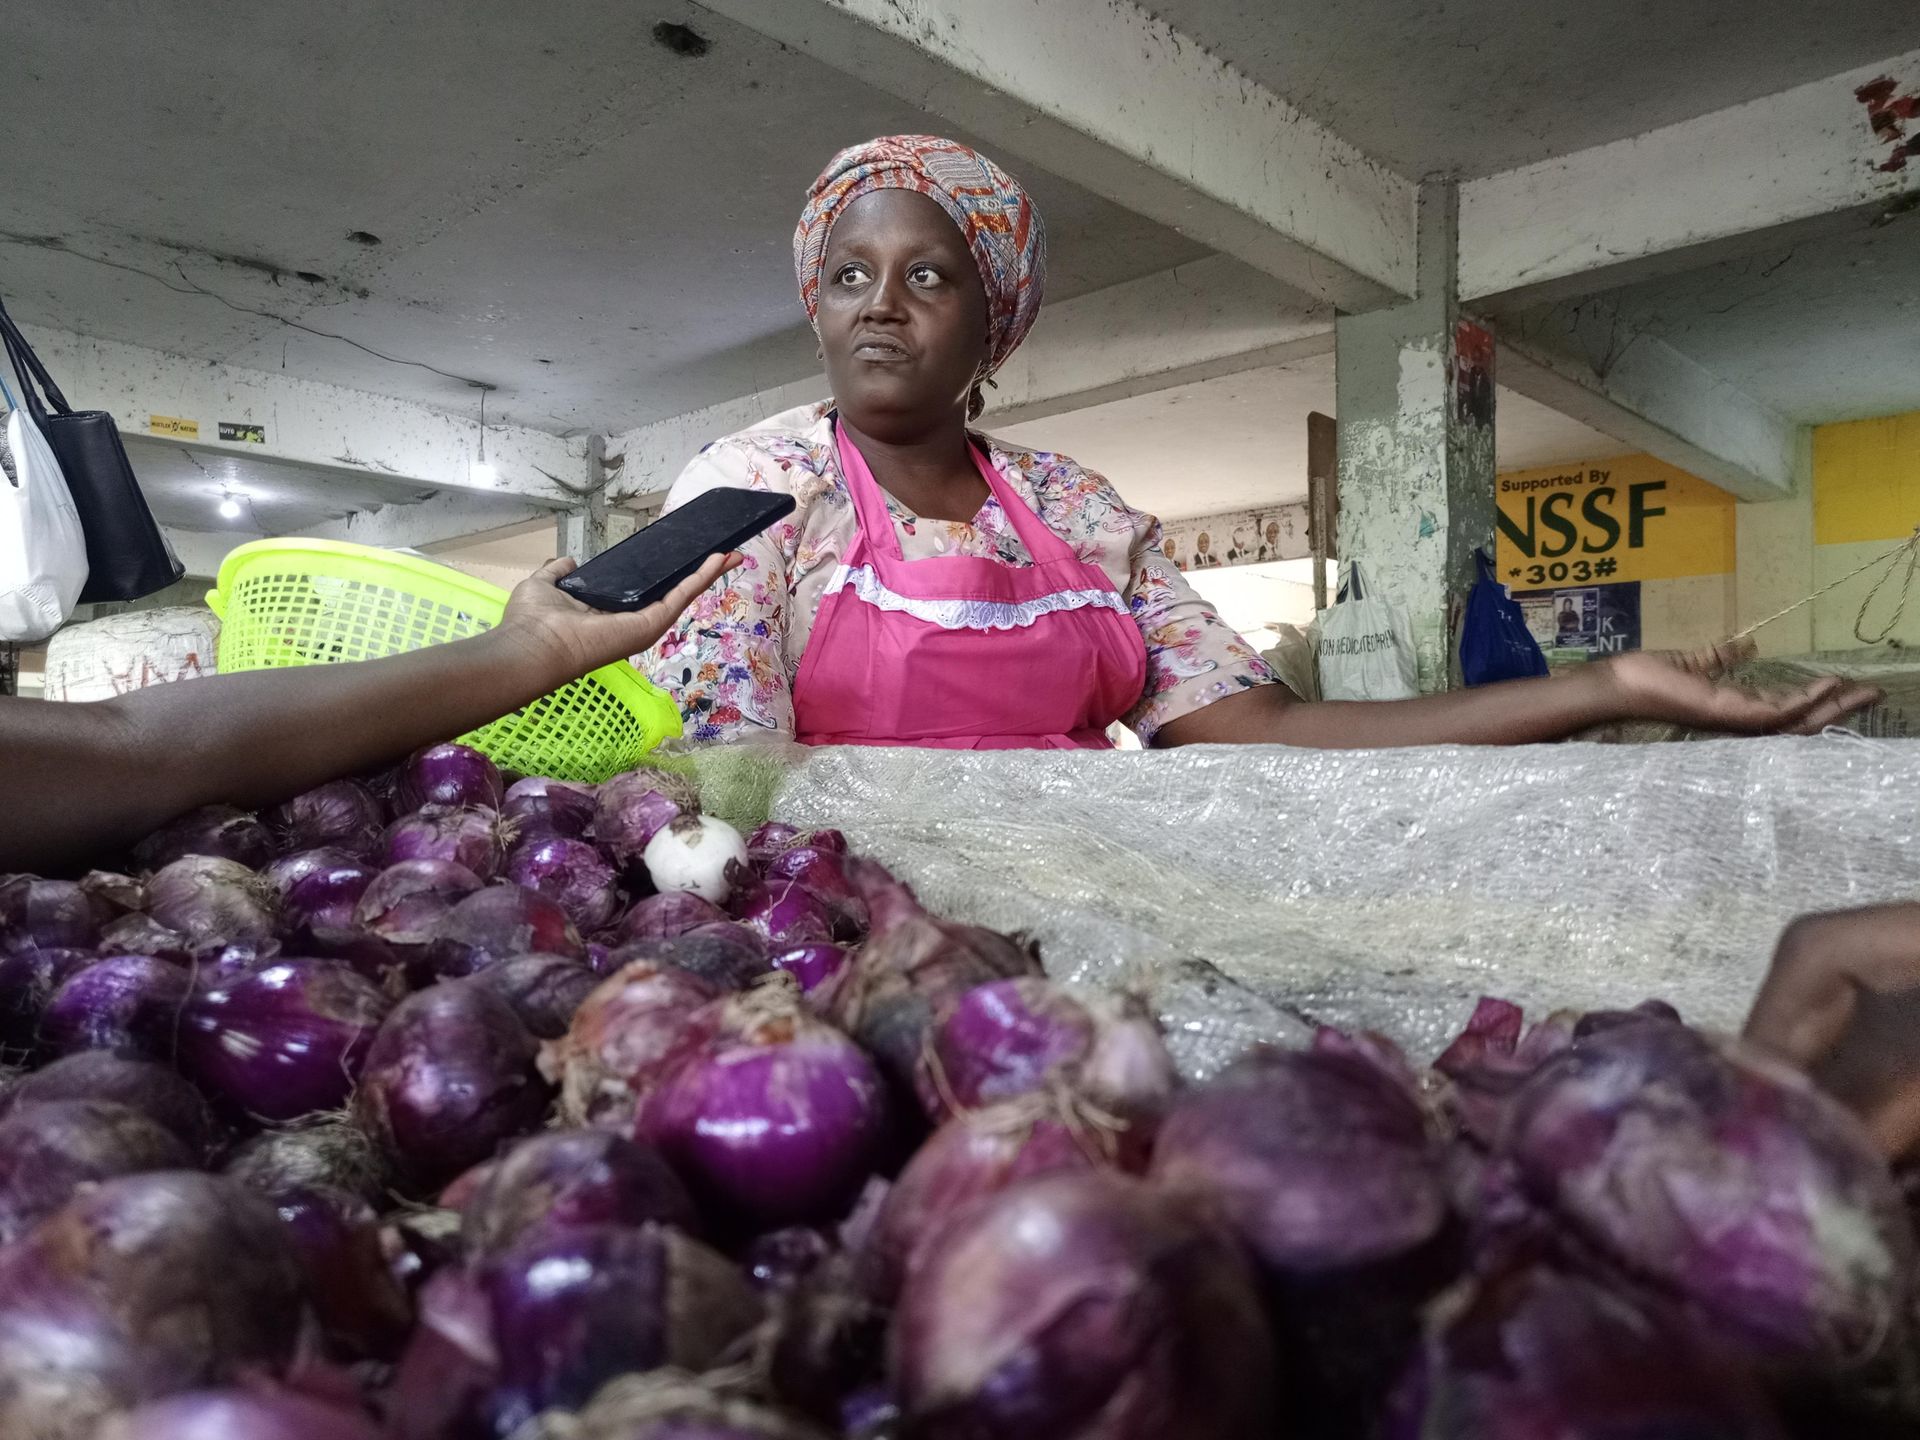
[449, 1105]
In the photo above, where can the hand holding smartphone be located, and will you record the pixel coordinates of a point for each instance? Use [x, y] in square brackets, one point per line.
[650, 562]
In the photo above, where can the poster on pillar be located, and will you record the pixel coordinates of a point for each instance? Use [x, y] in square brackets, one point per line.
[1583, 622]
[1630, 518]
[1239, 537]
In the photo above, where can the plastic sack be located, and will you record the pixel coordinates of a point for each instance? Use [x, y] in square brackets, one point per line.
[1365, 645]
[43, 552]
[1495, 643]
[1292, 660]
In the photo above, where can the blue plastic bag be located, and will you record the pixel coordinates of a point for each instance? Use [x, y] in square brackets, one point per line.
[1495, 643]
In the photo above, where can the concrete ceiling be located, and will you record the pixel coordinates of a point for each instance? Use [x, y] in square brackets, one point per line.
[563, 207]
[184, 487]
[1472, 86]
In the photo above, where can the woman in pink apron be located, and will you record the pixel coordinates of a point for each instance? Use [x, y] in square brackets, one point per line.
[939, 587]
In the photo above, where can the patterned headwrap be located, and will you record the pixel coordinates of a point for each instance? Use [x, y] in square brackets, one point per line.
[998, 219]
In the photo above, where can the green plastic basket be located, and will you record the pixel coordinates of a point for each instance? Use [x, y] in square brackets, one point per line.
[317, 602]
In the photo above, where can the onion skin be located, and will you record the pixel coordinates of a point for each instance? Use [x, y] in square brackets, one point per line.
[574, 1308]
[1491, 1059]
[296, 865]
[331, 1155]
[822, 873]
[285, 1040]
[1320, 1162]
[1723, 1177]
[28, 979]
[211, 900]
[450, 1363]
[144, 935]
[141, 1287]
[341, 814]
[539, 806]
[1530, 1352]
[572, 874]
[129, 1003]
[449, 775]
[620, 1040]
[336, 1241]
[38, 914]
[664, 917]
[726, 955]
[467, 835]
[449, 1076]
[783, 914]
[771, 1115]
[217, 831]
[324, 899]
[252, 1414]
[498, 923]
[1080, 1306]
[1001, 1040]
[48, 1150]
[570, 1178]
[631, 809]
[669, 1405]
[406, 902]
[544, 990]
[155, 1090]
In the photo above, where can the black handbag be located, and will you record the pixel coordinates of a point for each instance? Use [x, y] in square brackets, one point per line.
[127, 553]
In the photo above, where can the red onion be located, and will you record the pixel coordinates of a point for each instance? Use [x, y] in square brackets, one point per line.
[540, 806]
[1529, 1353]
[822, 873]
[544, 990]
[283, 873]
[975, 1156]
[48, 1150]
[1079, 1306]
[341, 814]
[336, 1239]
[451, 1362]
[784, 913]
[770, 839]
[38, 914]
[325, 1154]
[282, 1041]
[774, 1117]
[449, 775]
[498, 923]
[130, 1003]
[406, 902]
[450, 1075]
[140, 1287]
[663, 917]
[156, 1091]
[467, 835]
[252, 1414]
[631, 809]
[571, 1177]
[1490, 1060]
[324, 898]
[999, 1040]
[815, 966]
[27, 979]
[219, 831]
[1319, 1161]
[727, 955]
[621, 1036]
[912, 966]
[208, 899]
[573, 1308]
[572, 874]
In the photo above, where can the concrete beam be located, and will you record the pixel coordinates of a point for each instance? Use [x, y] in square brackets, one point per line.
[1751, 177]
[307, 423]
[201, 551]
[1589, 365]
[1103, 92]
[451, 515]
[1194, 322]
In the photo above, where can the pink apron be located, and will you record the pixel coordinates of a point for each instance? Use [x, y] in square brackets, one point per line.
[959, 653]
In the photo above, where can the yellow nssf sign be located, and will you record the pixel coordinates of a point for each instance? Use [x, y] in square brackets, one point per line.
[1632, 518]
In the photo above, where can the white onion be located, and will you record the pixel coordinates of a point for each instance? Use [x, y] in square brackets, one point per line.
[696, 854]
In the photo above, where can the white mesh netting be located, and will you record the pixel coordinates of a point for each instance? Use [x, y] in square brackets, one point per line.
[1387, 889]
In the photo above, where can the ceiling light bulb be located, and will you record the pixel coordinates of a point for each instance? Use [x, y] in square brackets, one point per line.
[229, 508]
[484, 474]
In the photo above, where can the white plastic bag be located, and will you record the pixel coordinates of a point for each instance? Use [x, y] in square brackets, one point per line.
[43, 551]
[1365, 646]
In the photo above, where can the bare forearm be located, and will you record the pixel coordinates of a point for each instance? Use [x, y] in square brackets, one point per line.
[1516, 713]
[87, 779]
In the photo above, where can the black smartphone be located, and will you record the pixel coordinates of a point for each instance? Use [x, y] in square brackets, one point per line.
[650, 562]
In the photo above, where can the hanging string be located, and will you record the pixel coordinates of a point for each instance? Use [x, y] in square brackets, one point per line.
[1910, 547]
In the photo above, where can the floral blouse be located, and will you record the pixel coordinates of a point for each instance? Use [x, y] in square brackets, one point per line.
[732, 657]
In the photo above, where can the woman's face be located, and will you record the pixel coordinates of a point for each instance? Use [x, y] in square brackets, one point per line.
[903, 315]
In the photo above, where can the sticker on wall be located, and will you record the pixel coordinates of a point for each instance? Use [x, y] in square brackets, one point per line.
[1591, 619]
[1631, 518]
[246, 434]
[1240, 537]
[1472, 374]
[174, 425]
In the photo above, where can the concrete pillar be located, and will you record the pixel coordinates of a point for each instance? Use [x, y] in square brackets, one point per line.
[1416, 467]
[582, 532]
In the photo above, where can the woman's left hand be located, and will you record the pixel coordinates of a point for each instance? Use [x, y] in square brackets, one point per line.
[1690, 688]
